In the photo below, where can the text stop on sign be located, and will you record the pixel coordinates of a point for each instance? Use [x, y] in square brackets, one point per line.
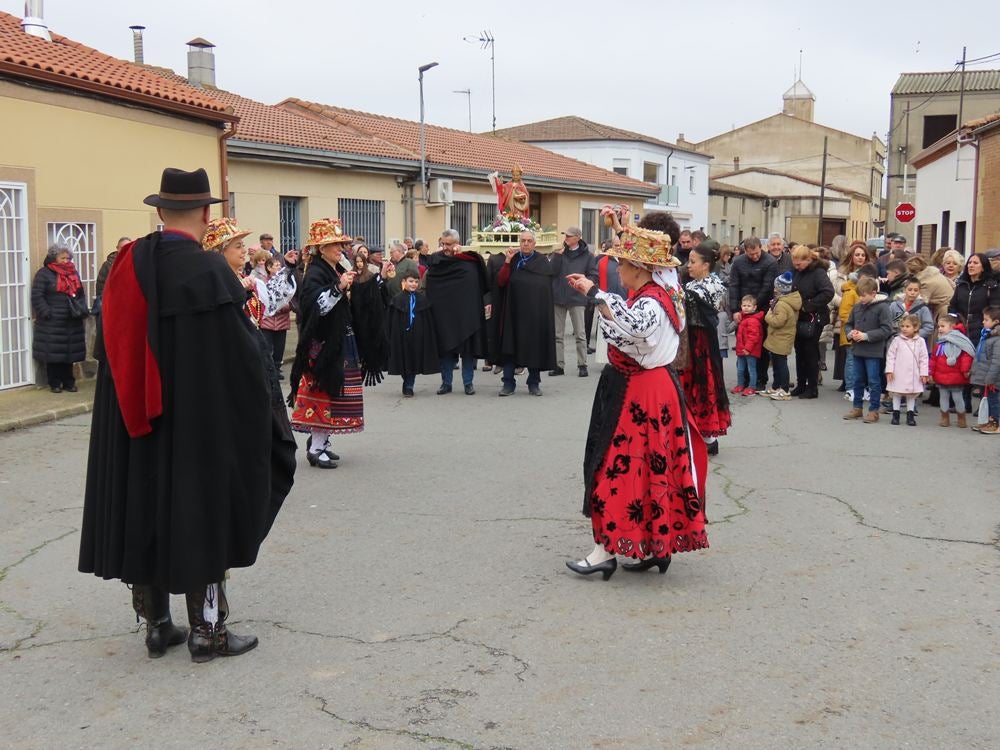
[905, 212]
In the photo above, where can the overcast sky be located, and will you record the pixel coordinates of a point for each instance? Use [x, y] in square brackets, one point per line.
[660, 68]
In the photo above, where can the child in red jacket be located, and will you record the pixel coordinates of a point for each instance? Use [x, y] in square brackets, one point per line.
[749, 343]
[950, 364]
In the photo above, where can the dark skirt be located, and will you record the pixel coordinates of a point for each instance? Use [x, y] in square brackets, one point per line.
[704, 386]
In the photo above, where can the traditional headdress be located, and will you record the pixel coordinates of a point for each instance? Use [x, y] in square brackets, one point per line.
[645, 246]
[221, 232]
[327, 232]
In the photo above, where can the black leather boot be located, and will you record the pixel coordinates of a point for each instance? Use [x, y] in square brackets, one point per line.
[207, 640]
[895, 418]
[153, 605]
[911, 419]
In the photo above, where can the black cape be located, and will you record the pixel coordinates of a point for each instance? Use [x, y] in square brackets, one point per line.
[413, 352]
[526, 332]
[196, 496]
[456, 287]
[493, 265]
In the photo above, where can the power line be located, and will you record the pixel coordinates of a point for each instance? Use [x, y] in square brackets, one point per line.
[934, 93]
[981, 59]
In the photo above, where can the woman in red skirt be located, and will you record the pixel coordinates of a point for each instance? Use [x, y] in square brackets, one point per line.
[644, 464]
[328, 375]
[702, 378]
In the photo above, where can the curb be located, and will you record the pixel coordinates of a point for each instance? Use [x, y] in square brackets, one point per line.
[43, 417]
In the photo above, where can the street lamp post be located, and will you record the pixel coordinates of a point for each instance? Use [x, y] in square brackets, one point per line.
[423, 149]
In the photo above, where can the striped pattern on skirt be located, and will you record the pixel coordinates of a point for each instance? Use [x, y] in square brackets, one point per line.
[315, 409]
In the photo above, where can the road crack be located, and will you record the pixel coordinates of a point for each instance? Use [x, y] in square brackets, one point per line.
[32, 552]
[449, 634]
[861, 521]
[324, 706]
[727, 489]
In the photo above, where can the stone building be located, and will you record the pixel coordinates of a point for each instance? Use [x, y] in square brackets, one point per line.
[923, 109]
[791, 142]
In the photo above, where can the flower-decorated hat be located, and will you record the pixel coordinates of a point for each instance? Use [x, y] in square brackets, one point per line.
[327, 232]
[221, 232]
[645, 246]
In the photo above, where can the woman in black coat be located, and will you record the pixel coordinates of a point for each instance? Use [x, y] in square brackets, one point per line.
[59, 303]
[976, 288]
[812, 280]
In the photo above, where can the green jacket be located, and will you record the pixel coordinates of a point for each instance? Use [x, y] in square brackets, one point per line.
[781, 321]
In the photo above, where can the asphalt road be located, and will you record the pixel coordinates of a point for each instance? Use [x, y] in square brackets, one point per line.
[416, 597]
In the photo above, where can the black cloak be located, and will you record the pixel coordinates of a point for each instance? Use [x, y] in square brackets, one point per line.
[368, 302]
[413, 352]
[197, 495]
[456, 288]
[526, 331]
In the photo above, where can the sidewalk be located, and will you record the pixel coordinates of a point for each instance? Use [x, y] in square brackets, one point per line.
[32, 405]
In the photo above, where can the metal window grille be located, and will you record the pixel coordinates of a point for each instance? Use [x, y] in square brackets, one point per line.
[485, 214]
[289, 222]
[365, 218]
[587, 224]
[461, 220]
[16, 366]
[80, 238]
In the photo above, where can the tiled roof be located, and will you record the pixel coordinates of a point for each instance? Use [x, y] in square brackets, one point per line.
[459, 148]
[982, 121]
[947, 81]
[265, 123]
[722, 187]
[66, 63]
[572, 128]
[789, 175]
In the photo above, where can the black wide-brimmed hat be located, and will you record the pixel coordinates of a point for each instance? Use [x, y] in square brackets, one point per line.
[182, 190]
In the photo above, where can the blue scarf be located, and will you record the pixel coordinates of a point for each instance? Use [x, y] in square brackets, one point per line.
[985, 334]
[413, 307]
[523, 259]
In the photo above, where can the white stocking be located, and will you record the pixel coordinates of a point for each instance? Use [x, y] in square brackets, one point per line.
[596, 557]
[210, 611]
[320, 439]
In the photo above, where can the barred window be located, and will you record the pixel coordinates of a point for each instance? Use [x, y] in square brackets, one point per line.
[486, 213]
[461, 220]
[289, 222]
[588, 224]
[365, 218]
[80, 238]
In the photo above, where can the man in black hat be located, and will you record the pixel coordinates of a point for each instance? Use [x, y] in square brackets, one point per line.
[191, 454]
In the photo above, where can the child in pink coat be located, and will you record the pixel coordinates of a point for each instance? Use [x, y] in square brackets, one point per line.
[906, 364]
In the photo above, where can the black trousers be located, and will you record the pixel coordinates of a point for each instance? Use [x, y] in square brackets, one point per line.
[763, 362]
[807, 361]
[588, 321]
[276, 340]
[60, 374]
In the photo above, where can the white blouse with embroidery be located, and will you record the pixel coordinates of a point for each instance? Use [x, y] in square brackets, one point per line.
[643, 331]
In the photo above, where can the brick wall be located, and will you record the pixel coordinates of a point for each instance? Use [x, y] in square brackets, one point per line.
[988, 199]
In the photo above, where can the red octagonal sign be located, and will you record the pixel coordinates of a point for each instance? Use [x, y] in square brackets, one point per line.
[905, 212]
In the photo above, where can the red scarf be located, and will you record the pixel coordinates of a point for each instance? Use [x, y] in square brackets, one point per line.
[67, 279]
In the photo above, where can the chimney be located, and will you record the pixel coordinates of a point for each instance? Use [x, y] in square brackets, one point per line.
[137, 43]
[34, 23]
[736, 164]
[201, 63]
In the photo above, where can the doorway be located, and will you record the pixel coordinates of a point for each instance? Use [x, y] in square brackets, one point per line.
[16, 365]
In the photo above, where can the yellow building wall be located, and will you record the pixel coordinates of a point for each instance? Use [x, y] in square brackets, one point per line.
[257, 187]
[87, 160]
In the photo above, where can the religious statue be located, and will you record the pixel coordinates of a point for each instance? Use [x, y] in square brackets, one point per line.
[512, 197]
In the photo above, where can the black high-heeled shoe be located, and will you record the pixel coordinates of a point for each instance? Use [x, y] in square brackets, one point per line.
[606, 568]
[660, 562]
[317, 459]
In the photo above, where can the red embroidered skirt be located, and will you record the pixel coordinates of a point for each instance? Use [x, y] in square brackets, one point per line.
[647, 496]
[704, 388]
[315, 409]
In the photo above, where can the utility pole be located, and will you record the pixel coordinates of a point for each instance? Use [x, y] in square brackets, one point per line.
[486, 39]
[468, 93]
[423, 148]
[822, 195]
[958, 125]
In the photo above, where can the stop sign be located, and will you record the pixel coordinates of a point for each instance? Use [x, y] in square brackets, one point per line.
[905, 212]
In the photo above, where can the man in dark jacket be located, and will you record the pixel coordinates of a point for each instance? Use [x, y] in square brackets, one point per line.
[522, 307]
[181, 486]
[753, 273]
[776, 249]
[573, 257]
[457, 290]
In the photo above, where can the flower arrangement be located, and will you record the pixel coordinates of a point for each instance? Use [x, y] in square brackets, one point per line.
[512, 222]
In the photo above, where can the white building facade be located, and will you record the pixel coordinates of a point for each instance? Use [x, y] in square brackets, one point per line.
[944, 198]
[681, 175]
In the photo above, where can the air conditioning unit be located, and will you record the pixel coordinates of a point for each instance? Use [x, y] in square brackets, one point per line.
[440, 191]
